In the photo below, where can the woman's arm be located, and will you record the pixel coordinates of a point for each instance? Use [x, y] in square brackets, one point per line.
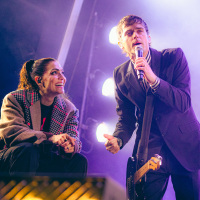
[13, 128]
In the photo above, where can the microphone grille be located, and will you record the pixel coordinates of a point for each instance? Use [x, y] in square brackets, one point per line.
[138, 51]
[138, 48]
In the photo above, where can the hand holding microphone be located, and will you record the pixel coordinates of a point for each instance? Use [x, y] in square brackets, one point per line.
[139, 53]
[142, 63]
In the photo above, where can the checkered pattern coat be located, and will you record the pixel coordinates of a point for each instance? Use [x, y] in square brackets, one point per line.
[21, 118]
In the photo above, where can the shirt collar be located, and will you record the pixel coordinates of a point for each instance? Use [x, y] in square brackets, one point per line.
[148, 57]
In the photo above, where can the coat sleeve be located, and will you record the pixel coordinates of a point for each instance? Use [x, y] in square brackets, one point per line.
[13, 128]
[71, 127]
[174, 89]
[126, 114]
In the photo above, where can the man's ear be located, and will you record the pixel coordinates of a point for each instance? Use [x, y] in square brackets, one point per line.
[120, 45]
[149, 40]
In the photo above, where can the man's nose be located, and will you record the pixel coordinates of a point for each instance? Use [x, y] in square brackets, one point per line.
[135, 35]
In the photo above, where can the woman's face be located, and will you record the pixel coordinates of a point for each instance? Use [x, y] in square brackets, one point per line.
[53, 80]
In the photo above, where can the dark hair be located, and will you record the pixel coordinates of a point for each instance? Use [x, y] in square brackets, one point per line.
[129, 20]
[30, 70]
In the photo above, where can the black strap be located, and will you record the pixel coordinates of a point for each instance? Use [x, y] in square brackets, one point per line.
[142, 151]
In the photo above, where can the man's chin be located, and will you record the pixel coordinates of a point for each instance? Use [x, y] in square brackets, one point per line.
[132, 56]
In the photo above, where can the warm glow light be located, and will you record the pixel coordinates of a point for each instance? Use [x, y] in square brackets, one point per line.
[101, 129]
[32, 198]
[108, 88]
[113, 36]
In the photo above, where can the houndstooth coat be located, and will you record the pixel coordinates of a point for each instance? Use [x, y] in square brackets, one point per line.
[21, 119]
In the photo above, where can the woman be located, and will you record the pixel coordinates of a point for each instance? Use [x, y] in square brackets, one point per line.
[39, 124]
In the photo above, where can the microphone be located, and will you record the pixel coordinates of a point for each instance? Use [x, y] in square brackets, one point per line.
[139, 53]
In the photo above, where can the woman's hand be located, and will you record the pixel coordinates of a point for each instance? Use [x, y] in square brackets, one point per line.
[69, 145]
[65, 141]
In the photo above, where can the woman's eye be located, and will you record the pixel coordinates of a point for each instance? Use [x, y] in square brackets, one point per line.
[54, 72]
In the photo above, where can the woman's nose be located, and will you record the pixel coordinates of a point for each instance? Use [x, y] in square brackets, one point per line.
[61, 75]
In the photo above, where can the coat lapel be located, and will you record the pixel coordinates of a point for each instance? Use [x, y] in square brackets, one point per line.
[59, 116]
[35, 111]
[59, 113]
[136, 93]
[155, 61]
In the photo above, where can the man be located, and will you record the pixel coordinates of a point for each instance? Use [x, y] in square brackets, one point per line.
[175, 131]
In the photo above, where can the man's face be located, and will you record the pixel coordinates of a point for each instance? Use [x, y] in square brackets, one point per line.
[133, 35]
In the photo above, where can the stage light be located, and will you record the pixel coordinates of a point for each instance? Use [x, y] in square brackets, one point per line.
[101, 129]
[108, 88]
[113, 36]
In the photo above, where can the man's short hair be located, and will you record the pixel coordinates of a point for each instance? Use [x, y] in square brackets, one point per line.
[127, 21]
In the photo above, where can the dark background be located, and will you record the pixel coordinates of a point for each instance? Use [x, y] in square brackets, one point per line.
[32, 29]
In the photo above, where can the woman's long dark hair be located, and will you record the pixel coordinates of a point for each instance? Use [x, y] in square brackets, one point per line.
[30, 70]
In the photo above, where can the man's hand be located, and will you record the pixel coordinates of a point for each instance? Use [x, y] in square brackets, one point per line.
[141, 64]
[111, 144]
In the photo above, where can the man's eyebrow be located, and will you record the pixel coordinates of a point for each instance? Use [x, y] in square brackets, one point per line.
[139, 28]
[132, 29]
[128, 30]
